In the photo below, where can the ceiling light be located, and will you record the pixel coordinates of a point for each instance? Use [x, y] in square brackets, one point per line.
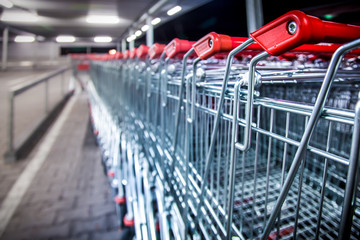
[138, 33]
[40, 38]
[145, 28]
[18, 16]
[174, 10]
[6, 3]
[102, 39]
[155, 21]
[24, 39]
[112, 51]
[65, 39]
[102, 19]
[131, 38]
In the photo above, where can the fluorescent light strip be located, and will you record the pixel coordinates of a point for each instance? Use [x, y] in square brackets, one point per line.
[131, 38]
[18, 16]
[138, 33]
[112, 51]
[174, 10]
[65, 39]
[145, 28]
[6, 3]
[24, 39]
[102, 39]
[155, 21]
[101, 19]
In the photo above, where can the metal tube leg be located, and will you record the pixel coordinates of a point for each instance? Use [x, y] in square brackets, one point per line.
[352, 180]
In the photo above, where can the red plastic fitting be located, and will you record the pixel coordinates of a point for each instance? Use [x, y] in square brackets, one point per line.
[119, 55]
[128, 222]
[156, 50]
[283, 232]
[111, 174]
[142, 51]
[295, 28]
[177, 46]
[214, 43]
[120, 200]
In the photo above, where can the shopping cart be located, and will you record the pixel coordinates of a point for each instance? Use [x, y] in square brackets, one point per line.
[257, 156]
[247, 145]
[221, 148]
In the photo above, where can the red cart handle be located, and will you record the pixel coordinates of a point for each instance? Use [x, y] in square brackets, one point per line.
[213, 43]
[133, 53]
[156, 50]
[296, 28]
[119, 55]
[177, 46]
[142, 51]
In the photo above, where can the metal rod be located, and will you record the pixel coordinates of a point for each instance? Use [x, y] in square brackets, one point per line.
[352, 179]
[10, 156]
[250, 101]
[47, 96]
[181, 97]
[149, 32]
[5, 42]
[254, 15]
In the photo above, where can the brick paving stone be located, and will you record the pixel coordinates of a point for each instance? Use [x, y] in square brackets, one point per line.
[100, 210]
[92, 225]
[39, 233]
[73, 214]
[84, 236]
[30, 219]
[112, 221]
[108, 235]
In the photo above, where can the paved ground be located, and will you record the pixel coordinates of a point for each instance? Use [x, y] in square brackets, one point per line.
[69, 198]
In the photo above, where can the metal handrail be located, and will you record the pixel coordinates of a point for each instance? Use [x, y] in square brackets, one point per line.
[17, 90]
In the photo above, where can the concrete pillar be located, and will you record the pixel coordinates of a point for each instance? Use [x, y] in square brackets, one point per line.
[149, 32]
[132, 43]
[5, 43]
[118, 46]
[254, 14]
[123, 45]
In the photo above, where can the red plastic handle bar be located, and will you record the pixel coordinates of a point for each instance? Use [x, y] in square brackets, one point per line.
[142, 51]
[214, 43]
[127, 54]
[133, 53]
[177, 46]
[296, 28]
[119, 55]
[283, 232]
[156, 50]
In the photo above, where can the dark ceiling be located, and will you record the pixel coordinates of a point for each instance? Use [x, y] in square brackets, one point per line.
[222, 16]
[229, 17]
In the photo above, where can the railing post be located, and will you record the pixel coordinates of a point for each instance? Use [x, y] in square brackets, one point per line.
[62, 83]
[10, 155]
[46, 96]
